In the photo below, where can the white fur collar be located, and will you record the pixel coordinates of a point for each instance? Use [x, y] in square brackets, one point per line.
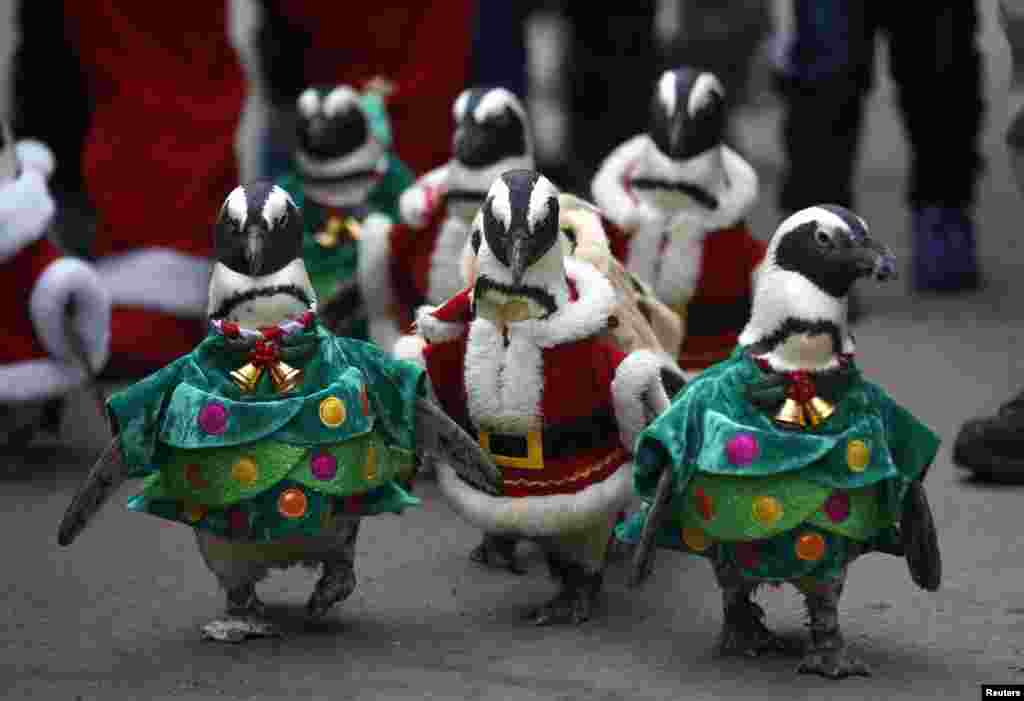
[26, 209]
[735, 183]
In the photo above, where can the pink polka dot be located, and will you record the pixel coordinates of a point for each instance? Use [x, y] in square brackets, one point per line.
[324, 466]
[742, 449]
[213, 418]
[837, 507]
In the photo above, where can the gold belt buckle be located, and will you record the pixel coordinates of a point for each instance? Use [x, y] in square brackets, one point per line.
[534, 459]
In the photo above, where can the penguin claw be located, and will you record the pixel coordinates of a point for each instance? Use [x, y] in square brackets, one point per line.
[833, 663]
[236, 630]
[333, 586]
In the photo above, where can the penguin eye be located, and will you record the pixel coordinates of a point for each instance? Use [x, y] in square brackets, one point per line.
[822, 237]
[571, 235]
[475, 241]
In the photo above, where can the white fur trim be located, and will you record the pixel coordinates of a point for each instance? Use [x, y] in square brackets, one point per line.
[417, 203]
[410, 347]
[157, 278]
[638, 394]
[26, 209]
[445, 277]
[583, 318]
[35, 155]
[610, 188]
[504, 385]
[435, 330]
[33, 380]
[373, 269]
[64, 281]
[537, 516]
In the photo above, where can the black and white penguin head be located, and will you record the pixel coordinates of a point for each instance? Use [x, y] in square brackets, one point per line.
[813, 260]
[337, 158]
[684, 169]
[492, 136]
[518, 244]
[259, 278]
[687, 113]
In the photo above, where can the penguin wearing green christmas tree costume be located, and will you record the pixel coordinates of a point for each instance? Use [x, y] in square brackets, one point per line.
[274, 437]
[347, 182]
[783, 463]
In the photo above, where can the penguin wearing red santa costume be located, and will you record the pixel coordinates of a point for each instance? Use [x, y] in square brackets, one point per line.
[680, 196]
[57, 322]
[520, 361]
[419, 263]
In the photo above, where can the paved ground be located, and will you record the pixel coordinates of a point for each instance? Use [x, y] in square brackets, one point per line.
[116, 616]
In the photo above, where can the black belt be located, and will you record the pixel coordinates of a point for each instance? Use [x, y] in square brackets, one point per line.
[558, 440]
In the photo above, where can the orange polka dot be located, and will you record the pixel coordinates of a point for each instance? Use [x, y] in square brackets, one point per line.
[293, 503]
[810, 547]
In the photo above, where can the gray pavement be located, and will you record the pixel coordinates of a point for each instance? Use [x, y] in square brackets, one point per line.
[117, 615]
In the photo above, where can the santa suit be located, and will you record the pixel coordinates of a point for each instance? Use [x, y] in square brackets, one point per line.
[561, 403]
[701, 264]
[159, 158]
[37, 362]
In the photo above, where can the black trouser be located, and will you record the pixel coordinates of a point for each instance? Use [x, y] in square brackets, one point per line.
[51, 99]
[935, 63]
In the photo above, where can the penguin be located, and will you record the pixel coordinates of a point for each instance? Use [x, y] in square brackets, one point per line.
[420, 264]
[783, 463]
[681, 196]
[521, 359]
[274, 438]
[346, 180]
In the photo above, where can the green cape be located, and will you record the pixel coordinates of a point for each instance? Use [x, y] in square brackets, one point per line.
[342, 441]
[840, 482]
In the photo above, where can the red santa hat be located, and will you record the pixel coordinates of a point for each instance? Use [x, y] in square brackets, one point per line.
[38, 358]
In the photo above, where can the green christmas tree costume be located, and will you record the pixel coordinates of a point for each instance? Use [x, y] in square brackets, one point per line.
[265, 465]
[779, 504]
[332, 268]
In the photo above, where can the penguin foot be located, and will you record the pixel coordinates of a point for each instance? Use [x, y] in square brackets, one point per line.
[574, 604]
[233, 629]
[831, 659]
[498, 551]
[744, 634]
[337, 583]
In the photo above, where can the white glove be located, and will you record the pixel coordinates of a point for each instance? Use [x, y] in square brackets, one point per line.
[417, 204]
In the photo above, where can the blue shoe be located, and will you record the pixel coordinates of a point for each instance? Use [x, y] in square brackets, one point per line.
[944, 252]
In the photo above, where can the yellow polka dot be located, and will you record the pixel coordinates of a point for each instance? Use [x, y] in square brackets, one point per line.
[371, 473]
[195, 512]
[696, 539]
[858, 455]
[810, 547]
[332, 412]
[767, 510]
[245, 471]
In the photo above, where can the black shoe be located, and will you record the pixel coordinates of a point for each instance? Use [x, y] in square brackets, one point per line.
[993, 447]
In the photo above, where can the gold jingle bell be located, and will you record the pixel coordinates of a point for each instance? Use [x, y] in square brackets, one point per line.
[247, 377]
[799, 414]
[285, 377]
[819, 410]
[328, 238]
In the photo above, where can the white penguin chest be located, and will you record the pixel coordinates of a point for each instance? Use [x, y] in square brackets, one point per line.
[504, 380]
[445, 275]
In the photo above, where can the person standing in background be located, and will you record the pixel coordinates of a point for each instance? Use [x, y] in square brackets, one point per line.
[935, 61]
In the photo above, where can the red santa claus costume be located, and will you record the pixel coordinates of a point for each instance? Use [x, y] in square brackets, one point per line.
[168, 90]
[38, 361]
[576, 397]
[681, 220]
[421, 261]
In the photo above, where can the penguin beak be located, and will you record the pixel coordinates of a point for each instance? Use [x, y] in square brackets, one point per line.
[256, 236]
[518, 255]
[875, 259]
